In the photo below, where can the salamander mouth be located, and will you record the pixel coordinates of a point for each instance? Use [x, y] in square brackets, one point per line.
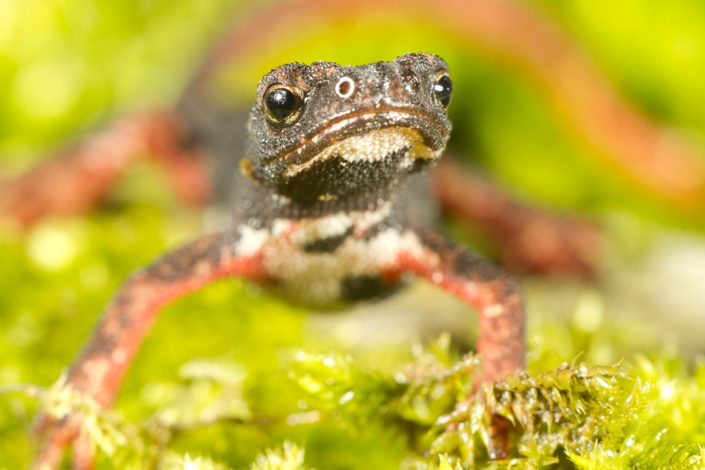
[431, 131]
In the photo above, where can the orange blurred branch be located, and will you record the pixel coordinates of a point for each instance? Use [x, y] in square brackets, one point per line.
[80, 177]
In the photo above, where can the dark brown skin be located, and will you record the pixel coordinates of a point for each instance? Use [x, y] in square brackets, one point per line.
[323, 238]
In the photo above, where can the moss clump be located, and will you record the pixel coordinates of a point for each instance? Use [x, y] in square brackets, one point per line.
[288, 457]
[639, 414]
[644, 413]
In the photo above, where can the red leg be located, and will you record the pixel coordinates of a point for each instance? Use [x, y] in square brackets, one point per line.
[528, 239]
[79, 178]
[501, 345]
[102, 365]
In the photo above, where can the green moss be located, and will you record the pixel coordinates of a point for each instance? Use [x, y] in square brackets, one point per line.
[642, 414]
[289, 457]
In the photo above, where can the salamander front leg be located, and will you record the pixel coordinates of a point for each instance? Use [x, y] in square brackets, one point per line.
[501, 344]
[100, 368]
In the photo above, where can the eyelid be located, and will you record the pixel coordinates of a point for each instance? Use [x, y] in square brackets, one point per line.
[287, 116]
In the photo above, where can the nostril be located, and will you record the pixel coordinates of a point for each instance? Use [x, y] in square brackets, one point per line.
[345, 87]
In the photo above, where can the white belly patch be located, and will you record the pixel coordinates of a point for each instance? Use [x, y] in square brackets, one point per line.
[316, 278]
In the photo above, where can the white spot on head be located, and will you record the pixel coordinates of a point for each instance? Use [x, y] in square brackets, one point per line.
[345, 87]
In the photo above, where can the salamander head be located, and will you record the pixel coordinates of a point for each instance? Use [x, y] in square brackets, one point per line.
[325, 132]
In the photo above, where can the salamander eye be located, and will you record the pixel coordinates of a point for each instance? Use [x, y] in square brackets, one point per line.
[283, 103]
[443, 89]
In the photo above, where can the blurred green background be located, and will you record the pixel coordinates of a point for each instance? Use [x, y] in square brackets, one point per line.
[69, 67]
